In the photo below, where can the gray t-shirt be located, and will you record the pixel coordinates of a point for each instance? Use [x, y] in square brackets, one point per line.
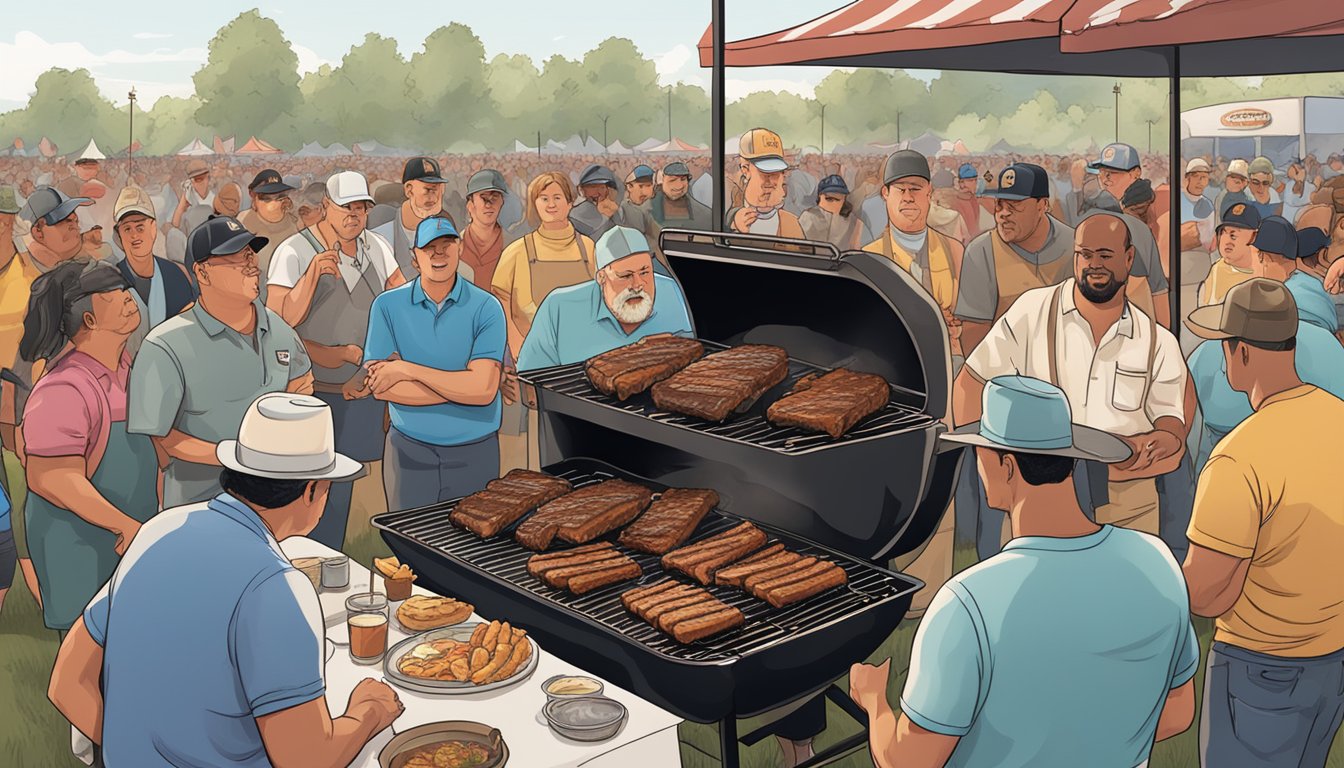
[978, 293]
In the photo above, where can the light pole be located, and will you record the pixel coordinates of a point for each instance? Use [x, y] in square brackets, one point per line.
[823, 129]
[898, 126]
[669, 114]
[130, 145]
[538, 143]
[605, 118]
[1150, 134]
[1116, 91]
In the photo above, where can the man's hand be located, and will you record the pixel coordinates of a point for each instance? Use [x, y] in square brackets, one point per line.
[868, 685]
[183, 204]
[324, 263]
[1334, 278]
[125, 533]
[1190, 240]
[743, 219]
[353, 354]
[1296, 172]
[953, 325]
[608, 207]
[357, 387]
[385, 374]
[508, 387]
[375, 702]
[1150, 448]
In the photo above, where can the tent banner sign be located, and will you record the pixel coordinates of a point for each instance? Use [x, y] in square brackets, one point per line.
[1246, 119]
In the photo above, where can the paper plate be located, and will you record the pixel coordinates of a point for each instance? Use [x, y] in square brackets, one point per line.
[462, 633]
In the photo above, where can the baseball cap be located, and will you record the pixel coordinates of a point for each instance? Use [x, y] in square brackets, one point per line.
[432, 229]
[1259, 310]
[50, 205]
[906, 162]
[424, 169]
[1021, 181]
[1310, 240]
[966, 171]
[677, 169]
[1198, 165]
[1139, 192]
[1276, 236]
[221, 236]
[485, 180]
[197, 168]
[9, 200]
[1241, 215]
[597, 174]
[269, 182]
[1262, 165]
[348, 187]
[130, 200]
[1117, 157]
[834, 185]
[618, 243]
[943, 179]
[1239, 168]
[640, 173]
[762, 148]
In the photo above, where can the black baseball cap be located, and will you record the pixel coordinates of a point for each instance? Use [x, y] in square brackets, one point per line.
[906, 162]
[268, 182]
[1242, 216]
[51, 206]
[1276, 236]
[221, 236]
[1138, 193]
[424, 169]
[677, 169]
[1310, 241]
[1021, 181]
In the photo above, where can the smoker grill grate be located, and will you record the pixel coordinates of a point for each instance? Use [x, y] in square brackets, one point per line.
[504, 559]
[751, 427]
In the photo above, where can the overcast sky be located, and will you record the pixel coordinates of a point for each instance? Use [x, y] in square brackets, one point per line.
[158, 44]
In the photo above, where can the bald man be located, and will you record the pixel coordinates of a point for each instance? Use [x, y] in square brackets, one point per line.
[1123, 372]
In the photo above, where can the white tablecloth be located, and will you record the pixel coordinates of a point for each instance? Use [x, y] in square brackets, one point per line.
[648, 739]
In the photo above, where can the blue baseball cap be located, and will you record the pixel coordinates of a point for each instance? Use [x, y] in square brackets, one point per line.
[1241, 215]
[834, 185]
[1276, 236]
[618, 243]
[966, 171]
[1027, 415]
[50, 205]
[1021, 181]
[221, 236]
[1310, 241]
[432, 229]
[641, 172]
[1117, 157]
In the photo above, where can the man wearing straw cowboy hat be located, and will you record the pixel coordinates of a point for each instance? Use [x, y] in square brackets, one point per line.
[208, 642]
[1076, 639]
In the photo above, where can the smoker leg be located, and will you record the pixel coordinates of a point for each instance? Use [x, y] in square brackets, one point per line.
[728, 757]
[847, 746]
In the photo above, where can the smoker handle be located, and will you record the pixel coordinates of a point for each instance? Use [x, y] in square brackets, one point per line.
[819, 250]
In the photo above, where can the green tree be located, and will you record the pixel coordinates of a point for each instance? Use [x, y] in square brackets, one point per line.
[690, 115]
[563, 112]
[517, 101]
[793, 117]
[67, 107]
[170, 125]
[619, 83]
[369, 96]
[450, 76]
[861, 105]
[250, 78]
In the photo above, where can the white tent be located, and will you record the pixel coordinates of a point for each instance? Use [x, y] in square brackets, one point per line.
[311, 149]
[91, 152]
[196, 148]
[336, 149]
[593, 147]
[927, 144]
[647, 144]
[555, 147]
[617, 148]
[375, 149]
[519, 146]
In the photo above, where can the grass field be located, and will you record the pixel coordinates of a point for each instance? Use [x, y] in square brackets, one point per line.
[34, 735]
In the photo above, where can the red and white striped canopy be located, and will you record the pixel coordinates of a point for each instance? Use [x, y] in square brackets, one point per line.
[1098, 25]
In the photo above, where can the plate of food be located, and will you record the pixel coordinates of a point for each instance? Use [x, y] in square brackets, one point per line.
[422, 613]
[450, 744]
[467, 658]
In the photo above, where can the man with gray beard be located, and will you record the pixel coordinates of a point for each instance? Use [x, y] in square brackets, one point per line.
[625, 303]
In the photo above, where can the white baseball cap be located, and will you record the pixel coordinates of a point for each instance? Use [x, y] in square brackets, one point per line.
[348, 187]
[1239, 168]
[1198, 165]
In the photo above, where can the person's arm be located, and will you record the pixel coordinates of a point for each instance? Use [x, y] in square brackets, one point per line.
[1215, 580]
[154, 399]
[183, 447]
[1001, 352]
[502, 288]
[477, 385]
[333, 357]
[1178, 712]
[293, 302]
[896, 742]
[1224, 531]
[396, 280]
[977, 293]
[307, 735]
[303, 385]
[75, 688]
[541, 348]
[61, 480]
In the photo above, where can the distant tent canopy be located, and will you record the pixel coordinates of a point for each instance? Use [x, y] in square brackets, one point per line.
[675, 145]
[196, 148]
[374, 149]
[519, 146]
[255, 146]
[617, 148]
[647, 144]
[224, 146]
[337, 150]
[311, 149]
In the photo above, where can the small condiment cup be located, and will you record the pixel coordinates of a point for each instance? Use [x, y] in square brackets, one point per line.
[546, 687]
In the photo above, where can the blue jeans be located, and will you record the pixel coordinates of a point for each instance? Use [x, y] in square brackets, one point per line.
[1264, 711]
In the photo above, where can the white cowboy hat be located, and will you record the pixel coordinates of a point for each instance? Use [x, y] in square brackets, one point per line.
[287, 437]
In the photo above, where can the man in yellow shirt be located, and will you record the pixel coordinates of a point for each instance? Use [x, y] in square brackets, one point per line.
[1234, 251]
[1265, 538]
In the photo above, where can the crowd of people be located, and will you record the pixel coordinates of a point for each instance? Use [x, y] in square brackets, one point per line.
[150, 313]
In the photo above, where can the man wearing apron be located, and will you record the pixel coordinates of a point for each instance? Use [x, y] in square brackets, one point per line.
[1026, 249]
[92, 483]
[325, 278]
[552, 256]
[160, 288]
[1122, 372]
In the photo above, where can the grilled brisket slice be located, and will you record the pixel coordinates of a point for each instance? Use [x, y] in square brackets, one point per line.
[801, 590]
[585, 514]
[705, 607]
[750, 583]
[615, 574]
[631, 369]
[704, 570]
[653, 614]
[831, 403]
[704, 545]
[639, 593]
[690, 630]
[714, 386]
[762, 588]
[703, 559]
[505, 500]
[642, 606]
[583, 550]
[556, 572]
[669, 521]
[734, 575]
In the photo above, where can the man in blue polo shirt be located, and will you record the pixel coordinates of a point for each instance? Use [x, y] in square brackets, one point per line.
[626, 303]
[437, 349]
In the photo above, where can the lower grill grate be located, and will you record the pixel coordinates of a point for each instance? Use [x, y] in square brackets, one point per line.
[505, 559]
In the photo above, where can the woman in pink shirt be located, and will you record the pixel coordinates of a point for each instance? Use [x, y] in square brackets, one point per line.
[91, 484]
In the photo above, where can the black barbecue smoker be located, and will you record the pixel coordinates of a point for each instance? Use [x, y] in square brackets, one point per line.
[873, 494]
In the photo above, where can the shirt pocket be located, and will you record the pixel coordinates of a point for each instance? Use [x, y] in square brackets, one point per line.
[1127, 389]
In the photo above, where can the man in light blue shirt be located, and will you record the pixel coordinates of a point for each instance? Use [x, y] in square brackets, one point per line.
[1071, 647]
[1276, 258]
[437, 349]
[206, 645]
[627, 302]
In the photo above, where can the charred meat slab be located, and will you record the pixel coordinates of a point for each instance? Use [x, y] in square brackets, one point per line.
[632, 369]
[701, 560]
[686, 613]
[584, 515]
[669, 521]
[582, 572]
[832, 403]
[505, 500]
[713, 387]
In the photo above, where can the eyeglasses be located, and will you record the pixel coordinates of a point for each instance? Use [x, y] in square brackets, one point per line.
[1261, 182]
[271, 198]
[242, 261]
[629, 277]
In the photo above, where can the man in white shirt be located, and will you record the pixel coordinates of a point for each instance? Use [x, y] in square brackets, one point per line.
[323, 282]
[1123, 373]
[1195, 207]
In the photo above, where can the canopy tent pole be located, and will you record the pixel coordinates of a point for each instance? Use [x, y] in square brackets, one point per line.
[717, 116]
[1174, 224]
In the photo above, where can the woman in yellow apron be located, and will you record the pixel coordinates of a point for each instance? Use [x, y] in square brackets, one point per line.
[553, 255]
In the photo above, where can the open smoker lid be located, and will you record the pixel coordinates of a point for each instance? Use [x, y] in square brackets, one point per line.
[855, 310]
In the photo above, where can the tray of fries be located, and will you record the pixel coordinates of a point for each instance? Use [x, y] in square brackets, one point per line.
[473, 657]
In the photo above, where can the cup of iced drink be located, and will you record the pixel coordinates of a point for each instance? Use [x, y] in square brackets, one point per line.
[366, 618]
